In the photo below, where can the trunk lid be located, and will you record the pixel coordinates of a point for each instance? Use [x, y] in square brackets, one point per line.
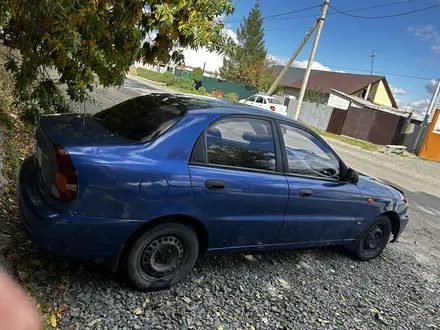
[77, 130]
[67, 130]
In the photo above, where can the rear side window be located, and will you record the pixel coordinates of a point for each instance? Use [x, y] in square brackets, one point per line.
[142, 119]
[241, 142]
[273, 101]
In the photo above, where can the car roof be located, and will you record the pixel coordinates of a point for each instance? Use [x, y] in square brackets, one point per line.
[195, 103]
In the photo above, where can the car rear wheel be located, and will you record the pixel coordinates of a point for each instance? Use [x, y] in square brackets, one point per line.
[162, 256]
[374, 239]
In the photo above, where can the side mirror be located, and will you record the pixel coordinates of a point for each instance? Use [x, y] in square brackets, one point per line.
[352, 176]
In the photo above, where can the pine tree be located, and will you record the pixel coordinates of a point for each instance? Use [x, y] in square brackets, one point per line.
[250, 52]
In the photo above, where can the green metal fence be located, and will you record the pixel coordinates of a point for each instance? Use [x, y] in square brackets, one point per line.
[227, 87]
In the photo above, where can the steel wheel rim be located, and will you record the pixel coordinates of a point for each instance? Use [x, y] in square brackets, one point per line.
[163, 256]
[374, 239]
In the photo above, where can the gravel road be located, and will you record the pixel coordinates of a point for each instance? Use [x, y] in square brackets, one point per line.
[294, 289]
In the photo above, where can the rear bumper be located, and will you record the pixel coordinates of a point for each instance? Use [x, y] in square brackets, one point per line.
[75, 236]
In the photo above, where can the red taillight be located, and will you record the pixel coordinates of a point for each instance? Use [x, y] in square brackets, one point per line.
[64, 178]
[272, 107]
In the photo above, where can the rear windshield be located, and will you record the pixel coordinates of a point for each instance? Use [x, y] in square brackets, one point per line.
[273, 100]
[142, 119]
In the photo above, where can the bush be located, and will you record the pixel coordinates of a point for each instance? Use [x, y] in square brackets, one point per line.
[202, 90]
[233, 97]
[197, 74]
[166, 78]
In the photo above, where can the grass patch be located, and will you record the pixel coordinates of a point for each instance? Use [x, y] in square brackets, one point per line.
[354, 142]
[170, 81]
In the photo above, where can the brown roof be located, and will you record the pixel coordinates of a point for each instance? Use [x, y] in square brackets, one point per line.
[341, 81]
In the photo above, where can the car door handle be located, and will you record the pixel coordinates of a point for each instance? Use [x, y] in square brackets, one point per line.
[215, 184]
[305, 192]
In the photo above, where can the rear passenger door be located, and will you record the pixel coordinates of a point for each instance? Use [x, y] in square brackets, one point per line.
[237, 181]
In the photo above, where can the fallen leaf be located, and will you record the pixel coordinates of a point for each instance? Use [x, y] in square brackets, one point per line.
[252, 327]
[219, 327]
[61, 310]
[62, 287]
[322, 321]
[53, 321]
[138, 311]
[258, 295]
[337, 314]
[366, 299]
[147, 300]
[341, 297]
[7, 190]
[186, 299]
[65, 279]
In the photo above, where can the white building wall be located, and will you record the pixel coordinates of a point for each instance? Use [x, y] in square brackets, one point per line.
[338, 102]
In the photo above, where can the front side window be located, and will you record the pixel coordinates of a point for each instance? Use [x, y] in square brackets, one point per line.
[260, 100]
[241, 142]
[251, 99]
[307, 155]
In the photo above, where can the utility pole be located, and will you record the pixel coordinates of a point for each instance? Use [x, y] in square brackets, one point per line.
[424, 125]
[311, 58]
[292, 58]
[372, 55]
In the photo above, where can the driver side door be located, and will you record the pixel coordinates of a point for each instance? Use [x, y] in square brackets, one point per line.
[322, 209]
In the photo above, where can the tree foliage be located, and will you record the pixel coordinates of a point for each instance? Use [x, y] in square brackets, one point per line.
[197, 74]
[84, 42]
[315, 94]
[249, 64]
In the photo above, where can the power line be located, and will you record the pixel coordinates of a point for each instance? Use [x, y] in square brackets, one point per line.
[282, 14]
[292, 12]
[382, 73]
[334, 13]
[283, 29]
[385, 16]
[377, 72]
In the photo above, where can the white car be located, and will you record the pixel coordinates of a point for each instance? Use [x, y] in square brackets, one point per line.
[265, 102]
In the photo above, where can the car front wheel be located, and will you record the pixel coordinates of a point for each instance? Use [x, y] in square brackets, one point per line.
[374, 239]
[162, 256]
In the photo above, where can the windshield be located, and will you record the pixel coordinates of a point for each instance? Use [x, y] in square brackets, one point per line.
[142, 119]
[273, 100]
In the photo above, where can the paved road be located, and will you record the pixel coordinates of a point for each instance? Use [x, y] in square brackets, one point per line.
[422, 236]
[105, 97]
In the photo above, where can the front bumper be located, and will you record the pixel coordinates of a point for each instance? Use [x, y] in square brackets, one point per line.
[75, 236]
[404, 219]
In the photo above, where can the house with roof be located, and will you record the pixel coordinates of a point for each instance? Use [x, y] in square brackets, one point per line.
[359, 106]
[374, 89]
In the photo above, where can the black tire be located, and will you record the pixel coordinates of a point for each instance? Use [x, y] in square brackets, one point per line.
[162, 256]
[374, 239]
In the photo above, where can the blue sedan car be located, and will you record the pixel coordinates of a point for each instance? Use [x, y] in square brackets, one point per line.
[152, 183]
